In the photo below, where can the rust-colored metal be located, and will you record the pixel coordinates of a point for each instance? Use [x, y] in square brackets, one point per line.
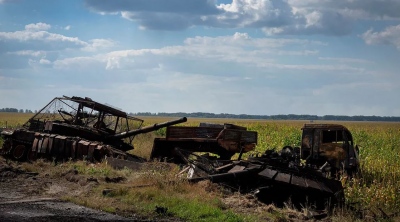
[224, 140]
[303, 175]
[76, 128]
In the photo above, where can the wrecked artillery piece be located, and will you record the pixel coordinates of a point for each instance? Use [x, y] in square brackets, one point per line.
[76, 128]
[306, 175]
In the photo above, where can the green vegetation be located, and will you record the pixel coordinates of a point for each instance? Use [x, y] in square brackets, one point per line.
[157, 185]
[379, 144]
[272, 117]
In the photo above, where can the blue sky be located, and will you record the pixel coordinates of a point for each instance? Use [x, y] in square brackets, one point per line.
[320, 57]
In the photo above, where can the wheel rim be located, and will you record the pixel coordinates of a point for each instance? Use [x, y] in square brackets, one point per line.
[19, 152]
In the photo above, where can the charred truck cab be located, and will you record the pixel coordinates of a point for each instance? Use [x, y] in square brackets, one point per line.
[329, 146]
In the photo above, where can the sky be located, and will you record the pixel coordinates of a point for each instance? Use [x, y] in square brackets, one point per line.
[260, 57]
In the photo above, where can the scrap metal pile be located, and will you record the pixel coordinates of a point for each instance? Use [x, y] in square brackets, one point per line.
[80, 128]
[76, 128]
[306, 175]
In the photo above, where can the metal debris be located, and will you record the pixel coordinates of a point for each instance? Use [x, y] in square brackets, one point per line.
[76, 128]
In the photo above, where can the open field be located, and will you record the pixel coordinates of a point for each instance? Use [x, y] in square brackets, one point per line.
[140, 192]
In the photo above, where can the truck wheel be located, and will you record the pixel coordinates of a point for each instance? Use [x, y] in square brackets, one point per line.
[19, 152]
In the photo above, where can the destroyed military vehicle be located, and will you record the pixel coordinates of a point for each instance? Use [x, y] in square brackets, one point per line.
[76, 128]
[223, 140]
[302, 175]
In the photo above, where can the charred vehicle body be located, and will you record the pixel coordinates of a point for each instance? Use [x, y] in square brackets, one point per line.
[76, 128]
[223, 140]
[304, 175]
[80, 128]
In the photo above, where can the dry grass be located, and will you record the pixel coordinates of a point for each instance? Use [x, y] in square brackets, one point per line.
[157, 185]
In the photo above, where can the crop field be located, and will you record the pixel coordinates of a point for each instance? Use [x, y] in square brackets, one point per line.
[377, 188]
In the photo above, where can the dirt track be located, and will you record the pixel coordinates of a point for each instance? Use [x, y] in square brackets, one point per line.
[32, 197]
[45, 209]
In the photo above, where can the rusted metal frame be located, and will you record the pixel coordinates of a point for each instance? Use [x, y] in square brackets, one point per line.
[240, 147]
[127, 130]
[61, 100]
[187, 161]
[40, 111]
[178, 151]
[87, 119]
[116, 124]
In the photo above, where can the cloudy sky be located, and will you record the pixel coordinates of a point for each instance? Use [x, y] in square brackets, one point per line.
[320, 57]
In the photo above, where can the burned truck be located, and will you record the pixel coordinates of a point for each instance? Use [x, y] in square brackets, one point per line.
[221, 140]
[76, 128]
[302, 175]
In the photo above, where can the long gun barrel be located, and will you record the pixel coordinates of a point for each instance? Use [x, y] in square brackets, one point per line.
[146, 129]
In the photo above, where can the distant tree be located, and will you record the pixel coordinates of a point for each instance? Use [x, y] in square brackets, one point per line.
[9, 110]
[21, 111]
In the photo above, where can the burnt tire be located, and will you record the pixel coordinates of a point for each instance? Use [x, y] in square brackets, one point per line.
[19, 152]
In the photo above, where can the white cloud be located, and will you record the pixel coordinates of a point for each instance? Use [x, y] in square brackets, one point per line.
[44, 61]
[112, 63]
[344, 60]
[252, 13]
[37, 27]
[325, 17]
[83, 63]
[34, 41]
[33, 36]
[44, 36]
[360, 9]
[98, 44]
[68, 27]
[238, 49]
[28, 53]
[389, 36]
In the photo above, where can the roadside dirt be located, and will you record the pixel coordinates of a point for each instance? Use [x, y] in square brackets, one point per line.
[27, 196]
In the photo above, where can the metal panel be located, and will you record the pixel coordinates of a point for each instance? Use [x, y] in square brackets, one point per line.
[51, 143]
[35, 144]
[45, 144]
[283, 177]
[92, 147]
[82, 149]
[236, 169]
[298, 181]
[39, 147]
[68, 148]
[269, 173]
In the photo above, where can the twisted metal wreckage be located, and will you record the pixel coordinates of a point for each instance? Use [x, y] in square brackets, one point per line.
[80, 128]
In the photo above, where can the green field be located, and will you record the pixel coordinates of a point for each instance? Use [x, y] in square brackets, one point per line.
[377, 188]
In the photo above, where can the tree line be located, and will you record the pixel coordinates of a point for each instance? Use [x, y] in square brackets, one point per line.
[274, 117]
[246, 116]
[15, 110]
